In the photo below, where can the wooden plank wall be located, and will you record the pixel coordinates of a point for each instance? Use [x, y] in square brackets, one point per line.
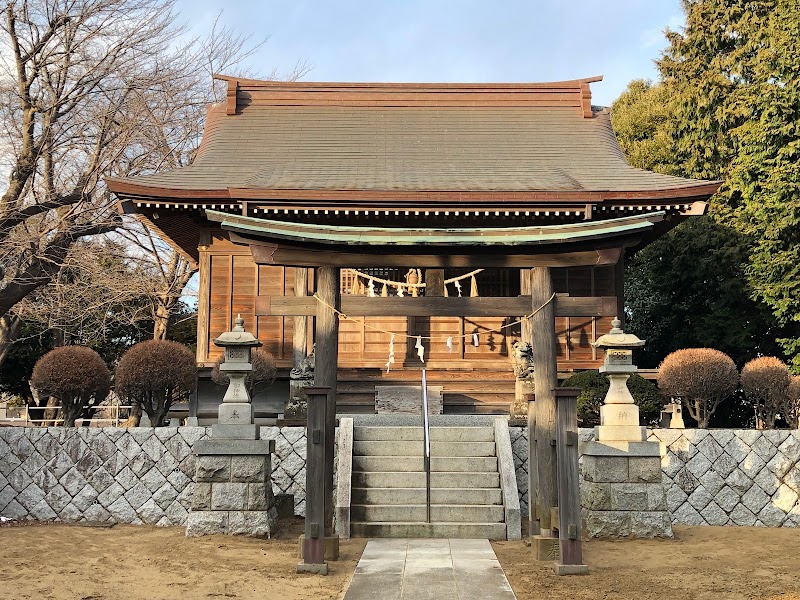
[234, 281]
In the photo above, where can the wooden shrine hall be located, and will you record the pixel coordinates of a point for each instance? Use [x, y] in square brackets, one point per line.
[432, 215]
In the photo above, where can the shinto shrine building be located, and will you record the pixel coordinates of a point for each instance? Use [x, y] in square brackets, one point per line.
[429, 204]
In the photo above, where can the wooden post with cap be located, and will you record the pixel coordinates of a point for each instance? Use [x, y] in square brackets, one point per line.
[569, 504]
[314, 539]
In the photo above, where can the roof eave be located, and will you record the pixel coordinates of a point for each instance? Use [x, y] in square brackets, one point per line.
[127, 189]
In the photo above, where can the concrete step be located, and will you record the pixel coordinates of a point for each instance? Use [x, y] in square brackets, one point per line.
[394, 495]
[448, 513]
[415, 448]
[416, 463]
[438, 434]
[416, 479]
[492, 531]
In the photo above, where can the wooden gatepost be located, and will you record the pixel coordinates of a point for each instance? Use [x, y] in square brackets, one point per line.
[570, 561]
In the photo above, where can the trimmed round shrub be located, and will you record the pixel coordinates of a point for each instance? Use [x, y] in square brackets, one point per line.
[260, 378]
[154, 375]
[701, 378]
[594, 386]
[765, 382]
[76, 376]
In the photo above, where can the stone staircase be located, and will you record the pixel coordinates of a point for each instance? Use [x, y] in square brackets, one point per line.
[467, 495]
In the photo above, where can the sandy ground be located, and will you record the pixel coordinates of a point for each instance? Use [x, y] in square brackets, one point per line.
[701, 563]
[63, 562]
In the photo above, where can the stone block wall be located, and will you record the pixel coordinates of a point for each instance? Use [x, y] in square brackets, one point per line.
[142, 475]
[714, 477]
[139, 475]
[731, 476]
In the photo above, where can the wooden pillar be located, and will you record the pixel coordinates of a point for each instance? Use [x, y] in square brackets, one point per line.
[325, 369]
[203, 300]
[525, 290]
[300, 337]
[619, 287]
[542, 449]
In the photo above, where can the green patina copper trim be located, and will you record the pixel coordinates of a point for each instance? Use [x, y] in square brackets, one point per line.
[388, 236]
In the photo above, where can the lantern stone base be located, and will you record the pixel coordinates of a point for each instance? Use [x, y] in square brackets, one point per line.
[232, 491]
[235, 413]
[235, 432]
[614, 433]
[621, 492]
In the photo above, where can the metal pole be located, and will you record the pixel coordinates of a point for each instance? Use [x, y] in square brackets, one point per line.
[427, 449]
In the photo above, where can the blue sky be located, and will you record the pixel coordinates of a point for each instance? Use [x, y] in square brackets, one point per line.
[452, 40]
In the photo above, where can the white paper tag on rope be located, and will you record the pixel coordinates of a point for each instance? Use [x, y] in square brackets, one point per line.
[450, 344]
[458, 287]
[390, 362]
[371, 289]
[475, 341]
[420, 349]
[400, 292]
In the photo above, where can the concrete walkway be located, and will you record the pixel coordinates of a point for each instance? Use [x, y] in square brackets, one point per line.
[422, 569]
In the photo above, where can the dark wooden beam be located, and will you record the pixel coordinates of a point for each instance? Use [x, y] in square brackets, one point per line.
[363, 306]
[474, 258]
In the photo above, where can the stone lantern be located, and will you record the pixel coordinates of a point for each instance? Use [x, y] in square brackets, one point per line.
[236, 407]
[619, 416]
[232, 490]
[621, 491]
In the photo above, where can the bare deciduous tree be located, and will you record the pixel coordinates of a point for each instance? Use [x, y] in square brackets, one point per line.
[91, 88]
[97, 289]
[167, 273]
[70, 76]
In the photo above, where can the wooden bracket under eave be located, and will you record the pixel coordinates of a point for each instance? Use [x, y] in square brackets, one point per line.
[233, 89]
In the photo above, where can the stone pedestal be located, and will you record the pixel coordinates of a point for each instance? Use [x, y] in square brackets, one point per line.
[232, 492]
[297, 406]
[619, 416]
[545, 548]
[621, 491]
[522, 389]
